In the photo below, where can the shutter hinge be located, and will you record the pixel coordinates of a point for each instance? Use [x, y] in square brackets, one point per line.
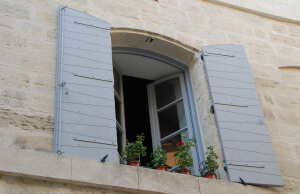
[98, 141]
[62, 84]
[216, 54]
[261, 121]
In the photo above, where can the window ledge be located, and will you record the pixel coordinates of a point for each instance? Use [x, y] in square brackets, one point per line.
[70, 170]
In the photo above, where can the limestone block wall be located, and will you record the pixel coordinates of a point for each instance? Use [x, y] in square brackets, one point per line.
[28, 62]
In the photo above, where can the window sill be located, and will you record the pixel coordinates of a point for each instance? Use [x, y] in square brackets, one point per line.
[70, 170]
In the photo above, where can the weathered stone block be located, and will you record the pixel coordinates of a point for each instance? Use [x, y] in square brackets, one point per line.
[166, 182]
[217, 186]
[288, 167]
[279, 28]
[104, 174]
[286, 40]
[17, 10]
[36, 164]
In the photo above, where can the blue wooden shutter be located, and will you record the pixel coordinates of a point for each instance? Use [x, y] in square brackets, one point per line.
[85, 123]
[247, 146]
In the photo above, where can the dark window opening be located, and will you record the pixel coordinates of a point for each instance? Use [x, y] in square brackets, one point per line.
[137, 112]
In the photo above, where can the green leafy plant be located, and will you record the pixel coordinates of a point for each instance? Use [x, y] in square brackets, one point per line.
[134, 150]
[182, 156]
[210, 164]
[158, 157]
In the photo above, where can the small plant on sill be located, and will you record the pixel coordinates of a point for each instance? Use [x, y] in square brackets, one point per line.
[184, 159]
[133, 151]
[210, 165]
[159, 158]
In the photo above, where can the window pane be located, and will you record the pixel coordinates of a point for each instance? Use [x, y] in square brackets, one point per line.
[117, 82]
[167, 92]
[118, 110]
[171, 147]
[171, 119]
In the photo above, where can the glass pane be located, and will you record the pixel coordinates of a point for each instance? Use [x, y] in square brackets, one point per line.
[119, 136]
[117, 82]
[167, 92]
[118, 110]
[171, 147]
[172, 119]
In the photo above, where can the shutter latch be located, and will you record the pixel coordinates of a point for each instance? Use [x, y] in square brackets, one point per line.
[59, 152]
[243, 182]
[104, 158]
[212, 109]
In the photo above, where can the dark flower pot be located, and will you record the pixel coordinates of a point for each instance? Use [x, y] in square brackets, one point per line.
[161, 167]
[210, 175]
[185, 171]
[134, 163]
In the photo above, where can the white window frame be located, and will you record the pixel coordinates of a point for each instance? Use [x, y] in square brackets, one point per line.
[198, 152]
[155, 130]
[121, 127]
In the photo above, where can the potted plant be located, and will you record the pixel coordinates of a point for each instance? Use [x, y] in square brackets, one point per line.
[208, 167]
[184, 159]
[159, 159]
[133, 151]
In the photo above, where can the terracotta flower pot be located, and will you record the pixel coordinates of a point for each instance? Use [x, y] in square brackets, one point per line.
[161, 167]
[210, 175]
[134, 163]
[185, 171]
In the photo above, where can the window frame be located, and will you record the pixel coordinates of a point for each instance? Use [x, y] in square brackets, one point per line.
[198, 152]
[154, 111]
[120, 126]
[155, 131]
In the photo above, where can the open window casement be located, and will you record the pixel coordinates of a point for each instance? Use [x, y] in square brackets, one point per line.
[85, 124]
[247, 146]
[169, 115]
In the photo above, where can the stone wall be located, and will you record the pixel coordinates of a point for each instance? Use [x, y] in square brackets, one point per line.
[208, 125]
[28, 62]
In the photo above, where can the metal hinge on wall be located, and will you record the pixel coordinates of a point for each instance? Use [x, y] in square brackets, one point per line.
[62, 84]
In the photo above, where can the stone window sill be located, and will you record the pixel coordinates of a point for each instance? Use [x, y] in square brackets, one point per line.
[70, 170]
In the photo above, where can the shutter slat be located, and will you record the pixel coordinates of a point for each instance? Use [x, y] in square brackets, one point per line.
[88, 130]
[247, 146]
[85, 109]
[244, 127]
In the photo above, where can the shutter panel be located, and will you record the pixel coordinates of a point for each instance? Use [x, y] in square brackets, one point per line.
[85, 123]
[247, 146]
